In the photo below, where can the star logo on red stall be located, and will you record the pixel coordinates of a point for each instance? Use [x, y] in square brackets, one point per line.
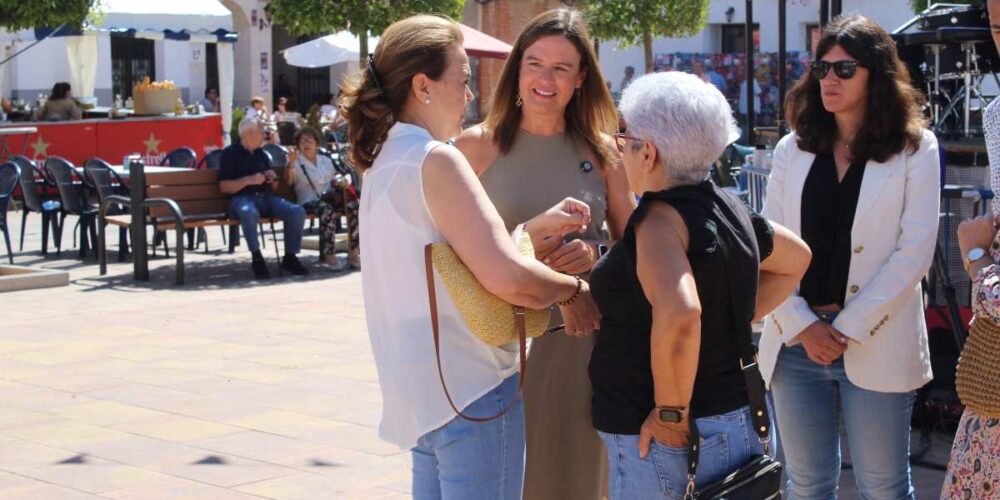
[152, 144]
[41, 148]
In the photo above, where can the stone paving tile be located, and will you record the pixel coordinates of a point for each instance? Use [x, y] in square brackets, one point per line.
[309, 486]
[259, 445]
[175, 488]
[145, 452]
[93, 475]
[40, 490]
[226, 470]
[176, 428]
[105, 413]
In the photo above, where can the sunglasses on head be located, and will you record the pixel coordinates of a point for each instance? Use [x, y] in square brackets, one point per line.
[845, 70]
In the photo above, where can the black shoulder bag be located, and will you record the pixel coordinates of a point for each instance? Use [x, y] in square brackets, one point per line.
[759, 479]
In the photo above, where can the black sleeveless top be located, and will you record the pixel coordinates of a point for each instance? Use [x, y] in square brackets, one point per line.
[727, 243]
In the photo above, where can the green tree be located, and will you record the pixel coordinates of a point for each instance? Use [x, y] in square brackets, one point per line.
[919, 5]
[640, 21]
[309, 17]
[20, 14]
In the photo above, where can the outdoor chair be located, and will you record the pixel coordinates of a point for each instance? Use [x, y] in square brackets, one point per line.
[278, 155]
[9, 174]
[74, 200]
[106, 182]
[286, 133]
[181, 157]
[31, 178]
[211, 160]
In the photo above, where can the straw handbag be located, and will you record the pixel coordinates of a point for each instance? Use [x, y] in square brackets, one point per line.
[978, 376]
[490, 318]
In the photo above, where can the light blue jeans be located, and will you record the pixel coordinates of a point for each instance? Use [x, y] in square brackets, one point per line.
[809, 399]
[728, 443]
[465, 460]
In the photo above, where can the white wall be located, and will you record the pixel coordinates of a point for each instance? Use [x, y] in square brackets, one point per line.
[889, 13]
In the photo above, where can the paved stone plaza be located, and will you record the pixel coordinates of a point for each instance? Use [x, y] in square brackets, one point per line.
[224, 388]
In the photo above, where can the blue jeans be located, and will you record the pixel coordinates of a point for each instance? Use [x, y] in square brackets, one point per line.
[249, 208]
[474, 460]
[809, 399]
[728, 443]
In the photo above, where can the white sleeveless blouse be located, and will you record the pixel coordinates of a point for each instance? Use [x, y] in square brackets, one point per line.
[395, 225]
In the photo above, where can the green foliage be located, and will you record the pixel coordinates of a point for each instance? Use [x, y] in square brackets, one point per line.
[629, 20]
[25, 14]
[309, 17]
[234, 129]
[640, 21]
[919, 5]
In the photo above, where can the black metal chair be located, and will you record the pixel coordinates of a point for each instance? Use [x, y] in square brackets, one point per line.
[72, 194]
[106, 182]
[277, 153]
[180, 157]
[9, 174]
[286, 133]
[31, 178]
[211, 161]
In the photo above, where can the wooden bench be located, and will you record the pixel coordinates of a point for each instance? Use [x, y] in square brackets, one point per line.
[170, 201]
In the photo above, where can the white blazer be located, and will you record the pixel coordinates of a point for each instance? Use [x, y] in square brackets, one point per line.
[893, 237]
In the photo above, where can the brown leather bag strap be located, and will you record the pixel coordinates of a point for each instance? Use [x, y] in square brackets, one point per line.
[522, 340]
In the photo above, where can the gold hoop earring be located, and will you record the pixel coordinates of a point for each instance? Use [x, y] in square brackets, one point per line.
[518, 101]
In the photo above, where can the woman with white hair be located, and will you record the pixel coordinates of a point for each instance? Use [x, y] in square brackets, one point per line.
[677, 296]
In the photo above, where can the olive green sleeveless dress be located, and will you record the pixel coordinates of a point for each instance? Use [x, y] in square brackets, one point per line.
[565, 459]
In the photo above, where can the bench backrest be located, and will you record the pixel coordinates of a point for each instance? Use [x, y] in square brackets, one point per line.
[195, 191]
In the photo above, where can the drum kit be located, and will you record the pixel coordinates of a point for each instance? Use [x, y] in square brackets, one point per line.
[950, 53]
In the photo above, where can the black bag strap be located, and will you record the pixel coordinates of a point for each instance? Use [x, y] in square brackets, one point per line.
[756, 389]
[309, 179]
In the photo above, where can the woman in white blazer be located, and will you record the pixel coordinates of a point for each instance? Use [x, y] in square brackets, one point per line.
[859, 181]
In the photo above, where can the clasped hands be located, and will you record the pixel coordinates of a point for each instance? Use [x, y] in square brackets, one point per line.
[547, 231]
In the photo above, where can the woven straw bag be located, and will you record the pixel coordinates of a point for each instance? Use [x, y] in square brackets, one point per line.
[978, 376]
[488, 317]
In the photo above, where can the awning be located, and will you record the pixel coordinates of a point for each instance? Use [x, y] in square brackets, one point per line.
[345, 47]
[203, 21]
[479, 44]
[327, 50]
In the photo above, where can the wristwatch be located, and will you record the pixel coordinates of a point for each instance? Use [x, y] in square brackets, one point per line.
[671, 414]
[974, 255]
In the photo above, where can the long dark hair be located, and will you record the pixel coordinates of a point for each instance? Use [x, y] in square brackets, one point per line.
[371, 102]
[893, 119]
[590, 115]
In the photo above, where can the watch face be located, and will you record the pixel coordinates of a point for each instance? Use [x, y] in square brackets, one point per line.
[673, 416]
[976, 254]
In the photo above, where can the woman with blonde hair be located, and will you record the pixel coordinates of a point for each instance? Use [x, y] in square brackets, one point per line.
[548, 135]
[408, 101]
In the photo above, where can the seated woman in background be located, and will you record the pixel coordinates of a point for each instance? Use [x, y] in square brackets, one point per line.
[60, 106]
[285, 112]
[311, 175]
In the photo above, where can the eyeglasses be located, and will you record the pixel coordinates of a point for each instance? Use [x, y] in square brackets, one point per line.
[845, 70]
[620, 139]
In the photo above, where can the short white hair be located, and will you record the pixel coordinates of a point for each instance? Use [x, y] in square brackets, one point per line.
[247, 124]
[687, 119]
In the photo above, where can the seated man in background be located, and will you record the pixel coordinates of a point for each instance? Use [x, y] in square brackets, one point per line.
[246, 176]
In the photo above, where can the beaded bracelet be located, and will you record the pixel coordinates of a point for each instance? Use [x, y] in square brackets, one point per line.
[576, 293]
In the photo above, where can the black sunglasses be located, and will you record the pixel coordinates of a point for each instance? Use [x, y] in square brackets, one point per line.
[845, 70]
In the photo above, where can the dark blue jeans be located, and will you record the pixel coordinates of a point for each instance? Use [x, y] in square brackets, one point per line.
[249, 208]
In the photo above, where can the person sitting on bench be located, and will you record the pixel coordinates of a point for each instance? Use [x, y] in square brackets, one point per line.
[246, 176]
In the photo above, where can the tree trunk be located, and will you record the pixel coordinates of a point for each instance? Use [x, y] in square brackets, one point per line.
[647, 45]
[363, 45]
[597, 48]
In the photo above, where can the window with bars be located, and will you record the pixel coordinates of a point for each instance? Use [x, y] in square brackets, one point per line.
[132, 59]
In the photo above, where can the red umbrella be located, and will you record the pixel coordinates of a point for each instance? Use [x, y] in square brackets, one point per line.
[479, 44]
